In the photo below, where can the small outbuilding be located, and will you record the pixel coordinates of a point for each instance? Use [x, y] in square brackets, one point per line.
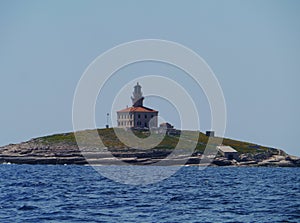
[228, 152]
[210, 133]
[168, 129]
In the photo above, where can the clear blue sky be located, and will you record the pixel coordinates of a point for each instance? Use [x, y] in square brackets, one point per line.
[253, 48]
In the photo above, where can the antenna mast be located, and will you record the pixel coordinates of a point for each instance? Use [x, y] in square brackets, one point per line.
[107, 120]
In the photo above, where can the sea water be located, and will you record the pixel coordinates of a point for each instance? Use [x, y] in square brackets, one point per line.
[49, 193]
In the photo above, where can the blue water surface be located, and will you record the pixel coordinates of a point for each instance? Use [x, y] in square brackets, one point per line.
[49, 193]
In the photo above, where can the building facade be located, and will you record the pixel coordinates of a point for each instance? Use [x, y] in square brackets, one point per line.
[137, 116]
[228, 152]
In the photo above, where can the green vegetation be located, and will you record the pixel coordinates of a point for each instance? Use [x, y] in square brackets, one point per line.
[58, 138]
[110, 140]
[245, 147]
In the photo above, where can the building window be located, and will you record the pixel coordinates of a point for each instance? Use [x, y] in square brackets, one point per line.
[139, 116]
[151, 116]
[145, 116]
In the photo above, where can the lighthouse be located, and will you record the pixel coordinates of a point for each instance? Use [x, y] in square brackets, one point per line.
[137, 116]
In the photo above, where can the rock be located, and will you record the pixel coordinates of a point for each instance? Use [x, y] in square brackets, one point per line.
[248, 163]
[222, 162]
[261, 156]
[244, 158]
[293, 159]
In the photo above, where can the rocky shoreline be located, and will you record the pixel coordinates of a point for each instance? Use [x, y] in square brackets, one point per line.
[35, 152]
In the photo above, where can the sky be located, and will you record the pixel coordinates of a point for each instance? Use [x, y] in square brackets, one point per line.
[252, 47]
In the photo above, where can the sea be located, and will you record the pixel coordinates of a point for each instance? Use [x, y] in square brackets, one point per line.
[60, 193]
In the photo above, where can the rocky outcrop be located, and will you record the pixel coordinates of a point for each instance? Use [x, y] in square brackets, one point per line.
[34, 152]
[281, 161]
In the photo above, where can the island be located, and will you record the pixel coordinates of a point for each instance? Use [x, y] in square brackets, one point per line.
[63, 149]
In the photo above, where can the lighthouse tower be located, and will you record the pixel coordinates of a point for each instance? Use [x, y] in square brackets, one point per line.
[137, 98]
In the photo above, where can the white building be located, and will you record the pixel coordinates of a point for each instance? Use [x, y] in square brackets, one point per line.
[228, 152]
[137, 116]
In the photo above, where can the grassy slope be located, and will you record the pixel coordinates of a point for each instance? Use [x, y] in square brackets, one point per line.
[169, 142]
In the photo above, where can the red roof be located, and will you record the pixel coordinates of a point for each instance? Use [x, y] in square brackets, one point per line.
[137, 109]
